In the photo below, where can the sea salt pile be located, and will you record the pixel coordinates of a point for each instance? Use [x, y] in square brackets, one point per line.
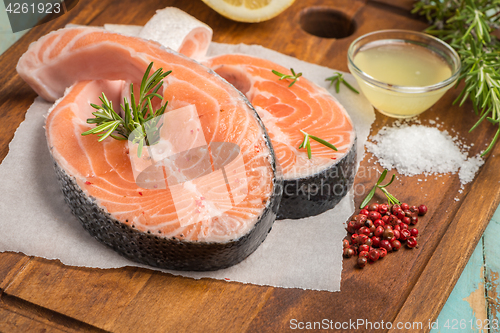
[418, 149]
[469, 168]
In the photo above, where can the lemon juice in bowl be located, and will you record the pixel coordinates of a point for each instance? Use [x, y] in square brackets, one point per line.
[402, 73]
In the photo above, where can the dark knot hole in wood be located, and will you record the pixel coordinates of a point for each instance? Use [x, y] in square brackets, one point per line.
[326, 23]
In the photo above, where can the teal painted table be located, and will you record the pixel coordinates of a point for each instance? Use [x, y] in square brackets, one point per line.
[474, 301]
[7, 38]
[475, 298]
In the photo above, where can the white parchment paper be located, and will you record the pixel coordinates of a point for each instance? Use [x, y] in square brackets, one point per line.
[35, 220]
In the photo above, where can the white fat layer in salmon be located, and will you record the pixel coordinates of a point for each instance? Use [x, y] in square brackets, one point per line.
[180, 31]
[287, 110]
[49, 67]
[103, 170]
[124, 29]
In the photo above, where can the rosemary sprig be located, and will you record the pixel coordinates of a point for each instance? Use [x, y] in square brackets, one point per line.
[390, 198]
[140, 119]
[338, 78]
[467, 25]
[307, 143]
[293, 77]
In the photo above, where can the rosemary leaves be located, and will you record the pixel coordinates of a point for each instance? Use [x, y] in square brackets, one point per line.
[390, 198]
[140, 121]
[338, 78]
[307, 143]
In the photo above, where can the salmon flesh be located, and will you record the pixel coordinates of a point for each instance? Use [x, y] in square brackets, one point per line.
[311, 186]
[222, 186]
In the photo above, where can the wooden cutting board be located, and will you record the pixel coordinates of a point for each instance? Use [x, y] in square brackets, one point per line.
[407, 286]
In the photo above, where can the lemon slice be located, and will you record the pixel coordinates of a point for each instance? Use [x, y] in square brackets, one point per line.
[249, 10]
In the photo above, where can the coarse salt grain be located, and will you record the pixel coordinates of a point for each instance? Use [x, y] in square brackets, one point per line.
[418, 149]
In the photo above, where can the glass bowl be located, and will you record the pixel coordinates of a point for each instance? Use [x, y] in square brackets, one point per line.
[396, 99]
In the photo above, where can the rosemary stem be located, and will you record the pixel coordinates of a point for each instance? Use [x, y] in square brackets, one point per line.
[468, 26]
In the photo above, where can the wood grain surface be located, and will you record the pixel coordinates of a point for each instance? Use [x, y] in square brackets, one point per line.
[407, 286]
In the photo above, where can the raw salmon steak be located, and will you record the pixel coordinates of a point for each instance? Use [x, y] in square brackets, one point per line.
[314, 185]
[219, 190]
[173, 28]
